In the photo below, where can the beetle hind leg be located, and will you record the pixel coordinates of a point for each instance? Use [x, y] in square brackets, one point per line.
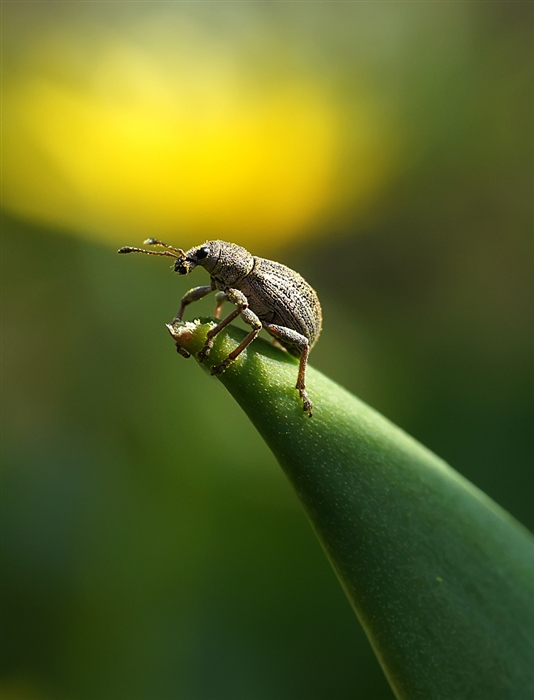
[291, 337]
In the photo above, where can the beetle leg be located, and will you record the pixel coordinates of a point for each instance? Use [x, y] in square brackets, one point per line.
[279, 345]
[220, 298]
[287, 335]
[235, 297]
[239, 299]
[192, 295]
[249, 317]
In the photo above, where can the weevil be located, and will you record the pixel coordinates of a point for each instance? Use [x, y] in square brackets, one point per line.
[266, 294]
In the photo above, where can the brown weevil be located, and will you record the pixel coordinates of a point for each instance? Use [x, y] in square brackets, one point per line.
[266, 294]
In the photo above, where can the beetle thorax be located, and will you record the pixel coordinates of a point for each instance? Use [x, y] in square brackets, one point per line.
[233, 264]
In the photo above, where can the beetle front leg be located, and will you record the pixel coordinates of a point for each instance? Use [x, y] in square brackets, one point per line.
[193, 295]
[287, 335]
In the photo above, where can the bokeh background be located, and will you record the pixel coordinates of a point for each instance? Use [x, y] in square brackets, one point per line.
[152, 549]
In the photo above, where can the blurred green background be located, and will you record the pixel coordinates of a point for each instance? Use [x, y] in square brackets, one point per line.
[152, 549]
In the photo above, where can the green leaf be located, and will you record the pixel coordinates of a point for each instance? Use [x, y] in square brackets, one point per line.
[440, 577]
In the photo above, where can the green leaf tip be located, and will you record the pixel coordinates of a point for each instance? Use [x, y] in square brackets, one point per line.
[440, 577]
[268, 371]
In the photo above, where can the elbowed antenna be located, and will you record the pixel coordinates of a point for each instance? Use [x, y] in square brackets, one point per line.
[171, 251]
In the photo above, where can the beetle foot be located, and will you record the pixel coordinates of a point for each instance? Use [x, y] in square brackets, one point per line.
[204, 353]
[307, 405]
[219, 369]
[183, 352]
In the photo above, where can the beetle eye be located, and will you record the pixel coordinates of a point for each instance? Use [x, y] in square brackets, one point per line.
[202, 252]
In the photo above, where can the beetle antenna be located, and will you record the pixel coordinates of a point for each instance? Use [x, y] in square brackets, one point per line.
[167, 253]
[171, 251]
[156, 241]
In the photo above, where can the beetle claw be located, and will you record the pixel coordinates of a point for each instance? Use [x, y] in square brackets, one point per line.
[307, 405]
[204, 353]
[219, 369]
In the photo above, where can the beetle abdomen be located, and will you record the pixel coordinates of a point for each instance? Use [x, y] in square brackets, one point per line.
[281, 296]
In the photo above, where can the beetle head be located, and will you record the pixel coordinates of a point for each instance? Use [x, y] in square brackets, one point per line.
[205, 255]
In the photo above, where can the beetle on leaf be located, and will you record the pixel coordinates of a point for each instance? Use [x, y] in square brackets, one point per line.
[266, 294]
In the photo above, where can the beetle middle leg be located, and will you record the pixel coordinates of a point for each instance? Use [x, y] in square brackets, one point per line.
[249, 317]
[291, 337]
[240, 300]
[220, 298]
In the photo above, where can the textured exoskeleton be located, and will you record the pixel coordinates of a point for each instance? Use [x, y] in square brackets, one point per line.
[266, 294]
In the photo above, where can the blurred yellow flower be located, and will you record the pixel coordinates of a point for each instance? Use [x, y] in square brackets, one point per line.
[184, 147]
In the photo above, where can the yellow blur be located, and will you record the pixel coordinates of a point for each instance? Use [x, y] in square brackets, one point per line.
[183, 147]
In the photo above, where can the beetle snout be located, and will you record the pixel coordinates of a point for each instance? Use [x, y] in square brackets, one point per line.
[183, 266]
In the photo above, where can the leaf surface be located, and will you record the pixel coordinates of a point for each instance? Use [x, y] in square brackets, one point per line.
[440, 577]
